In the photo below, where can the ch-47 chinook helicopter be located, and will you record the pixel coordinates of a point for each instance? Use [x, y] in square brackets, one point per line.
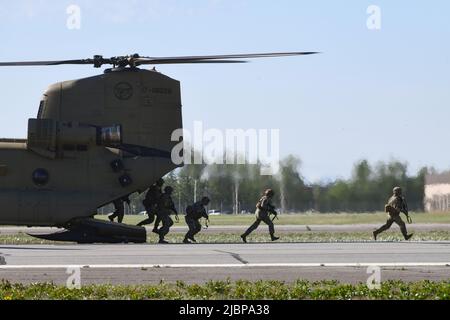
[95, 140]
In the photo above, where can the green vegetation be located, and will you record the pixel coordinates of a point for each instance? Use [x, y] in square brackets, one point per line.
[224, 290]
[261, 237]
[307, 219]
[22, 238]
[293, 219]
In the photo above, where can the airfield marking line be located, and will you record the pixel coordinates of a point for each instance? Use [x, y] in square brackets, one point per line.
[250, 265]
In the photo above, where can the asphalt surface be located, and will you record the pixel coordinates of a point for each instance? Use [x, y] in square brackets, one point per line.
[138, 264]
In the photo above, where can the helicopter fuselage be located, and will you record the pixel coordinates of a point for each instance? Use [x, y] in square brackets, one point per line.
[94, 140]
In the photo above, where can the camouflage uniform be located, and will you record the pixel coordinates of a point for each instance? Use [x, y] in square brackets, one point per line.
[151, 204]
[264, 208]
[166, 208]
[193, 215]
[398, 203]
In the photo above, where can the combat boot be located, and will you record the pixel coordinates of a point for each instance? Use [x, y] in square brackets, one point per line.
[162, 241]
[408, 236]
[274, 238]
[192, 239]
[244, 238]
[375, 235]
[186, 241]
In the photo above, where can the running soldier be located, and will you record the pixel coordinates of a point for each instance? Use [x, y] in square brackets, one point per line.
[264, 209]
[193, 214]
[151, 203]
[396, 205]
[119, 209]
[166, 208]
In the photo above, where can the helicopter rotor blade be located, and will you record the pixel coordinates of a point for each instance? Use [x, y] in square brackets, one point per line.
[144, 61]
[136, 60]
[215, 58]
[44, 63]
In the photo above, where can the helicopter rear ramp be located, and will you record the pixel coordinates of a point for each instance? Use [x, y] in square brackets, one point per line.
[96, 231]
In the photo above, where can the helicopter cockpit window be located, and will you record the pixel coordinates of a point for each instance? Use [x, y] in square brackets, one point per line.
[110, 136]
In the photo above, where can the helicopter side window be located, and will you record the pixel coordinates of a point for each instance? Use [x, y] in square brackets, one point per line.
[109, 136]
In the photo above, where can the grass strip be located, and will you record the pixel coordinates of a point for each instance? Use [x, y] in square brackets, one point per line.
[226, 290]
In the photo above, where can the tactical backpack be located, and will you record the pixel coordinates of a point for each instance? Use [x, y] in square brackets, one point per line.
[189, 210]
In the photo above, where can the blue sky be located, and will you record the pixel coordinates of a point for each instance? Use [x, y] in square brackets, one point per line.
[373, 95]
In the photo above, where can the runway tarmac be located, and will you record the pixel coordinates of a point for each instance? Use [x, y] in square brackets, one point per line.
[138, 264]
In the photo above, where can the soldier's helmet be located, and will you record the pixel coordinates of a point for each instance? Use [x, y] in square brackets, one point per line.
[160, 182]
[168, 190]
[397, 191]
[205, 201]
[269, 193]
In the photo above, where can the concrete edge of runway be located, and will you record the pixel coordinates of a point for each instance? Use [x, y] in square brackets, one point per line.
[155, 276]
[232, 265]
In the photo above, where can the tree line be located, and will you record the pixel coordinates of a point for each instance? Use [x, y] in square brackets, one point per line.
[237, 188]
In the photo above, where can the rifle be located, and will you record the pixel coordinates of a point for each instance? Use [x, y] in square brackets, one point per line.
[274, 212]
[406, 212]
[392, 210]
[206, 226]
[177, 219]
[409, 219]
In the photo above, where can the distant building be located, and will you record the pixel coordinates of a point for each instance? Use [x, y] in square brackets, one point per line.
[437, 192]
